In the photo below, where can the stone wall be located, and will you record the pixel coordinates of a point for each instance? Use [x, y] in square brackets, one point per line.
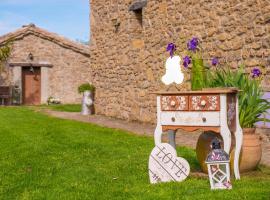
[128, 49]
[69, 70]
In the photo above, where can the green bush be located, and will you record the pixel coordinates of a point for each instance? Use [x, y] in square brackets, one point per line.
[86, 87]
[4, 53]
[251, 104]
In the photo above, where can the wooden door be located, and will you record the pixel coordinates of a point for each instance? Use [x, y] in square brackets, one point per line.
[31, 85]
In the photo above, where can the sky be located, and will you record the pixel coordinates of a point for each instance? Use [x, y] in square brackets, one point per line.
[69, 18]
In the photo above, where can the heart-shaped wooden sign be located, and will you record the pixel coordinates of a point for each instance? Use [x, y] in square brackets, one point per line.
[165, 166]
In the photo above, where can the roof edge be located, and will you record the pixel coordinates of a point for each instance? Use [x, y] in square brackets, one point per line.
[44, 34]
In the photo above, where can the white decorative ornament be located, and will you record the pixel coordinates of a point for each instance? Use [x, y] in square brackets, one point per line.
[86, 103]
[89, 102]
[165, 166]
[173, 71]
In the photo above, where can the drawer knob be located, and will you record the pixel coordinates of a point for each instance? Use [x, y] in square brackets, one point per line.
[173, 119]
[204, 119]
[203, 103]
[173, 103]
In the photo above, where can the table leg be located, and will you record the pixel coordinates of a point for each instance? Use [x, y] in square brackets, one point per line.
[238, 143]
[171, 137]
[226, 136]
[158, 134]
[224, 129]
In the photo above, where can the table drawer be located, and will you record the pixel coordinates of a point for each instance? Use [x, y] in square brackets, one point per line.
[204, 102]
[190, 118]
[174, 103]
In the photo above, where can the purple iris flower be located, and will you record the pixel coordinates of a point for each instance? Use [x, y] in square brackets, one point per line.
[256, 72]
[171, 48]
[193, 44]
[187, 61]
[215, 61]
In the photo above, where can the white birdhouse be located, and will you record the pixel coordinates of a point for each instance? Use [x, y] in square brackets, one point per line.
[218, 164]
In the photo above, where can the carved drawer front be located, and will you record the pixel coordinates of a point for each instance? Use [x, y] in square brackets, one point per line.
[190, 118]
[173, 103]
[204, 102]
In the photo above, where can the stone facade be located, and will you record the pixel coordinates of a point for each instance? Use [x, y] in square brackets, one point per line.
[128, 48]
[69, 62]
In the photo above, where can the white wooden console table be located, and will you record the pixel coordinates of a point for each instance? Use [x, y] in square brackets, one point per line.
[209, 110]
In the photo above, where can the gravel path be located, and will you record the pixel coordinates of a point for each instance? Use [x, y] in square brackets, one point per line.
[182, 138]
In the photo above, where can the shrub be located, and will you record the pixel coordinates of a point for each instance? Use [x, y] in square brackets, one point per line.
[4, 53]
[86, 87]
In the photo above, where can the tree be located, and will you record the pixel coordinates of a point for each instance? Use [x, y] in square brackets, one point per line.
[4, 53]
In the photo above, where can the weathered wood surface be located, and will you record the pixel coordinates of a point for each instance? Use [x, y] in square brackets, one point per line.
[204, 91]
[165, 166]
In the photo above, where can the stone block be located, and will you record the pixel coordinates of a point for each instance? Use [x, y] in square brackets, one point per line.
[138, 44]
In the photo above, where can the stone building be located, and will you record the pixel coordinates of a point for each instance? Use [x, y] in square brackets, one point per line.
[44, 64]
[129, 39]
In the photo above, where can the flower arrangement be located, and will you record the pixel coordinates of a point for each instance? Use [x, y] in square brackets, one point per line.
[52, 100]
[194, 57]
[86, 87]
[171, 48]
[251, 104]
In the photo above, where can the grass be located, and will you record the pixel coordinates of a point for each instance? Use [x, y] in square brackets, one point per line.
[48, 158]
[64, 107]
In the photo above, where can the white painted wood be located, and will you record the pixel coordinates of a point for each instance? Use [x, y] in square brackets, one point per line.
[193, 118]
[190, 118]
[158, 130]
[228, 172]
[165, 166]
[174, 73]
[158, 134]
[210, 176]
[238, 143]
[224, 129]
[219, 183]
[171, 137]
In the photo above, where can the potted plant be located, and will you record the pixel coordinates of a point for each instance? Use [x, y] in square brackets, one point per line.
[87, 90]
[251, 107]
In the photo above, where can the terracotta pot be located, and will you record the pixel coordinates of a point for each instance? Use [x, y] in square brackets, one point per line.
[251, 151]
[250, 155]
[203, 147]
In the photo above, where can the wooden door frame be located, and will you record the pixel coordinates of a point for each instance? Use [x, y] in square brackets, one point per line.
[37, 68]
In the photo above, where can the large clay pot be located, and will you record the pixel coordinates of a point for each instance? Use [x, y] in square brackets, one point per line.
[203, 147]
[251, 152]
[250, 155]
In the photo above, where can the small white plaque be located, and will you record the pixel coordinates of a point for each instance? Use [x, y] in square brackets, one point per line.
[165, 166]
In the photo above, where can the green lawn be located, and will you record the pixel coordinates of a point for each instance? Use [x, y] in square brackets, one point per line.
[64, 107]
[47, 158]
